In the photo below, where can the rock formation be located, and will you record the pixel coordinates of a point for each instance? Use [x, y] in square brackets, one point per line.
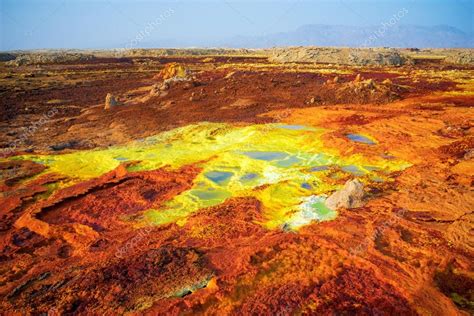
[350, 196]
[110, 101]
[173, 71]
[41, 58]
[341, 56]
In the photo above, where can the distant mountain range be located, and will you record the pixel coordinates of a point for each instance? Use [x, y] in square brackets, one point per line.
[356, 36]
[404, 36]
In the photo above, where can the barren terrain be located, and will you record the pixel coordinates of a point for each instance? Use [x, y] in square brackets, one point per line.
[199, 190]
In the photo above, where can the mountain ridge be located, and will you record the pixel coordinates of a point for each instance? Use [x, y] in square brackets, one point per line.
[438, 36]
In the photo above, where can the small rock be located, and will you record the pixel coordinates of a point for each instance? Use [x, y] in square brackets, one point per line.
[370, 84]
[168, 104]
[155, 90]
[164, 86]
[188, 85]
[358, 78]
[110, 101]
[63, 146]
[315, 100]
[336, 79]
[469, 154]
[350, 196]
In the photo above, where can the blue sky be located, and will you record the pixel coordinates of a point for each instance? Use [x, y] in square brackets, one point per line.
[29, 24]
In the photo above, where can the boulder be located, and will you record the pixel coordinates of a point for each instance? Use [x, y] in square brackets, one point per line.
[350, 196]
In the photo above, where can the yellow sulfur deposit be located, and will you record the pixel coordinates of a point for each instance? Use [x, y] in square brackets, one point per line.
[289, 164]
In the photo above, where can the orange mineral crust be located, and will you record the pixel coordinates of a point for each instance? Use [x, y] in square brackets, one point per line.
[231, 185]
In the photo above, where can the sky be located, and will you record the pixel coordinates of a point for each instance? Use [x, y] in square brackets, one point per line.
[35, 24]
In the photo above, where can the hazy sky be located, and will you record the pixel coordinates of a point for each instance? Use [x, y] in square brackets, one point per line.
[27, 24]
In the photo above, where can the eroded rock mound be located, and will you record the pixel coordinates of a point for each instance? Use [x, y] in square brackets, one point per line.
[369, 90]
[38, 58]
[350, 196]
[174, 71]
[341, 56]
[6, 57]
[357, 91]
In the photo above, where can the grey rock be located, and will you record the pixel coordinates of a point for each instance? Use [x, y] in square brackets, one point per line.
[62, 146]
